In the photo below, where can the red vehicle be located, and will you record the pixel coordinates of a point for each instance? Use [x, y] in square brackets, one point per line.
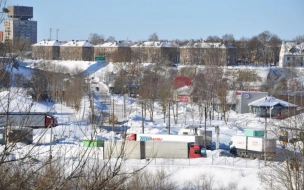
[32, 119]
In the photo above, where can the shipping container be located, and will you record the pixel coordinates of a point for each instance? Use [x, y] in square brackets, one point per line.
[254, 147]
[254, 133]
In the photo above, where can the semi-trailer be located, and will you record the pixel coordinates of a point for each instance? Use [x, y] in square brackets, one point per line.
[253, 147]
[152, 149]
[32, 119]
[197, 139]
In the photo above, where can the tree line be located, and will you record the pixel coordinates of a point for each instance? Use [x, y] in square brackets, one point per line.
[261, 48]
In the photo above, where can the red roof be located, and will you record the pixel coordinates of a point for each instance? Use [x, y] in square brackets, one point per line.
[181, 82]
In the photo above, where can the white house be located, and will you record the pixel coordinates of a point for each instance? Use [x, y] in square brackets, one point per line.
[291, 54]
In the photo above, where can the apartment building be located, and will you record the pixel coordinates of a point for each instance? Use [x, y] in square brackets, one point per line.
[208, 53]
[19, 25]
[47, 50]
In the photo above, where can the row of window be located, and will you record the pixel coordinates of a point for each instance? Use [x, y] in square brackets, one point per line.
[293, 58]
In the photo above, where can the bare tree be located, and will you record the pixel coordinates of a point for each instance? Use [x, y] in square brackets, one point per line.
[110, 39]
[275, 47]
[244, 55]
[299, 39]
[96, 38]
[264, 38]
[255, 46]
[228, 39]
[286, 172]
[213, 39]
[153, 37]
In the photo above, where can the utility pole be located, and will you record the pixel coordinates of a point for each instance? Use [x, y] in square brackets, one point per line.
[57, 35]
[169, 120]
[113, 114]
[265, 136]
[142, 117]
[205, 126]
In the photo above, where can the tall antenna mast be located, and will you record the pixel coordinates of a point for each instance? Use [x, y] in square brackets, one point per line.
[50, 33]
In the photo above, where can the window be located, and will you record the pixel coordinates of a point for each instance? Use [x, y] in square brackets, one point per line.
[288, 58]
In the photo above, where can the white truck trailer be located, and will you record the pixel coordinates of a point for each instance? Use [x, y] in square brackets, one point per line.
[153, 149]
[197, 139]
[32, 120]
[252, 147]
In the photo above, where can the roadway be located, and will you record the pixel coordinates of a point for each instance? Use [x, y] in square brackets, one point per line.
[106, 105]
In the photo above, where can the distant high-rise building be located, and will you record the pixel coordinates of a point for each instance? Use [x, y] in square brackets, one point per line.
[1, 36]
[19, 25]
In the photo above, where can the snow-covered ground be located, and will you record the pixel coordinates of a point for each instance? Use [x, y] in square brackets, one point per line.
[73, 128]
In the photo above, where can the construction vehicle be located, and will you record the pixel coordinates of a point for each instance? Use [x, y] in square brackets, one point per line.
[33, 120]
[252, 147]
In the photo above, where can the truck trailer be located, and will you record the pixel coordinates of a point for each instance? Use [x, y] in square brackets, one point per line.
[252, 147]
[153, 149]
[162, 137]
[197, 139]
[179, 150]
[33, 120]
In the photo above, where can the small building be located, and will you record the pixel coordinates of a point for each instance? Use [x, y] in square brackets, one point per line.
[243, 98]
[272, 107]
[291, 54]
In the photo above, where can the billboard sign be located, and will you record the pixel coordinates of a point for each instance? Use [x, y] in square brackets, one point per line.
[182, 98]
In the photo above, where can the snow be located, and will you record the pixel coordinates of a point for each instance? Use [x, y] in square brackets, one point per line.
[154, 44]
[80, 43]
[271, 101]
[48, 43]
[115, 44]
[73, 127]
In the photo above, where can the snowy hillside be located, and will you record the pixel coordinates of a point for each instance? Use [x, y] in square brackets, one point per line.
[74, 127]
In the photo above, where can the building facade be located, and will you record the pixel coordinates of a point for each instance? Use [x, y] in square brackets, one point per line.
[158, 52]
[116, 51]
[208, 53]
[46, 50]
[162, 53]
[77, 50]
[291, 54]
[19, 26]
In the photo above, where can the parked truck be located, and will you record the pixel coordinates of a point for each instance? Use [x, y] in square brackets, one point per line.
[199, 132]
[153, 149]
[252, 147]
[32, 120]
[180, 150]
[197, 139]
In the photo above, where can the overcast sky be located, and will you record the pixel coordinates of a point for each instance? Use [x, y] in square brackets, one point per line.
[170, 19]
